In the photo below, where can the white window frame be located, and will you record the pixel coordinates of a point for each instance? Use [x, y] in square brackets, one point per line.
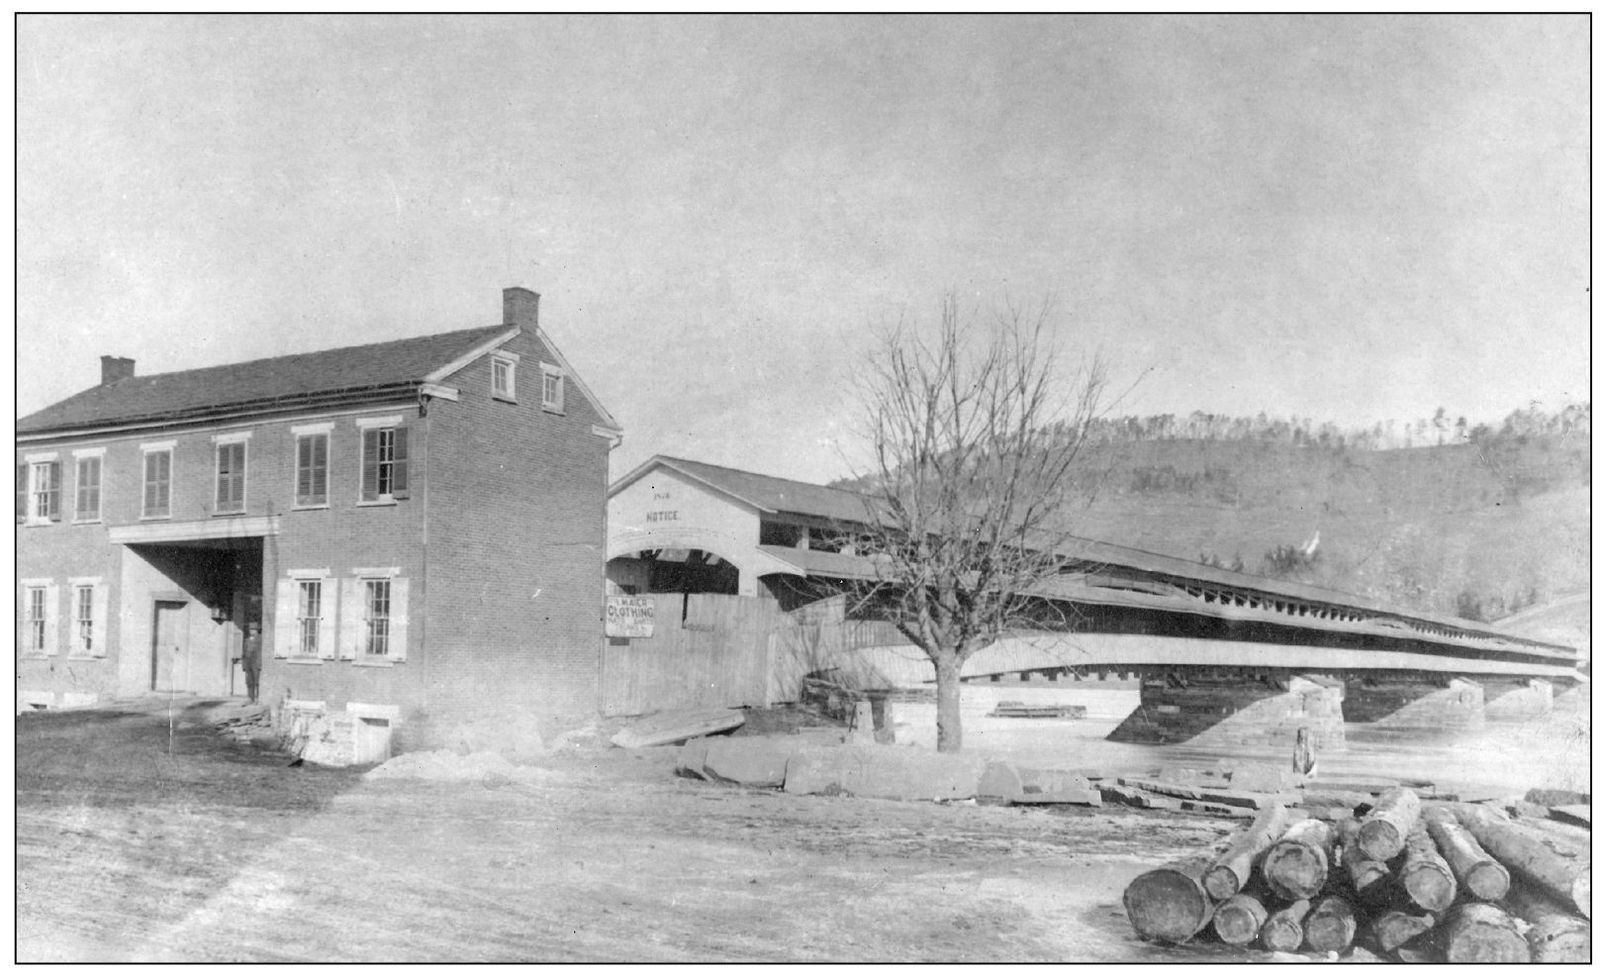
[147, 450]
[378, 425]
[507, 362]
[299, 645]
[301, 433]
[38, 623]
[40, 465]
[80, 457]
[552, 376]
[370, 618]
[95, 647]
[356, 637]
[221, 443]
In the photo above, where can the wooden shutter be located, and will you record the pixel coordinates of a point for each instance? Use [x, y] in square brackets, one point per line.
[102, 627]
[52, 619]
[22, 491]
[328, 604]
[398, 482]
[53, 490]
[351, 627]
[319, 492]
[284, 618]
[398, 618]
[370, 465]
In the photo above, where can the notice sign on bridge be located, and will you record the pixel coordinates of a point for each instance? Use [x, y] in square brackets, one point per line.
[630, 616]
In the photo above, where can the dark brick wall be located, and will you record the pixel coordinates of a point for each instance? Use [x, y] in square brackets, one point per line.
[517, 550]
[501, 539]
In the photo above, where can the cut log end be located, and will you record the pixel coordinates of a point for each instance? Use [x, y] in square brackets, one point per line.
[1477, 933]
[1167, 904]
[1221, 883]
[1381, 841]
[1331, 925]
[1294, 870]
[1239, 919]
[1488, 881]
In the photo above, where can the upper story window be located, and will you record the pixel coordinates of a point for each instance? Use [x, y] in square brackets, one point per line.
[230, 497]
[551, 388]
[86, 498]
[384, 460]
[312, 465]
[39, 489]
[158, 492]
[504, 376]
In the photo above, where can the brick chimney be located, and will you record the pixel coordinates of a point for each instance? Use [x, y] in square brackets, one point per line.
[520, 306]
[113, 368]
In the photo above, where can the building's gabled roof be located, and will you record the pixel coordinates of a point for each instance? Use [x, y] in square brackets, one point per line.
[770, 495]
[308, 376]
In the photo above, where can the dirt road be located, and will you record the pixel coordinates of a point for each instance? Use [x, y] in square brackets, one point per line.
[144, 835]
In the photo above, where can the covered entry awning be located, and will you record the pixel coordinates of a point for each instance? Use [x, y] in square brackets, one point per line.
[213, 529]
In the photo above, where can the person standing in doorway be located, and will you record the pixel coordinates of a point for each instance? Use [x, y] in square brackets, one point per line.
[251, 658]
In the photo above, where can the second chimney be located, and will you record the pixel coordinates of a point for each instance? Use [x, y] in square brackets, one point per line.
[520, 306]
[113, 368]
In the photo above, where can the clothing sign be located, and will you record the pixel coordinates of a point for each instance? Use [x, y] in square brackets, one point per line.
[630, 616]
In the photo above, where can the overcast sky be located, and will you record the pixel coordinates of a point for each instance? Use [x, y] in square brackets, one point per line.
[1347, 218]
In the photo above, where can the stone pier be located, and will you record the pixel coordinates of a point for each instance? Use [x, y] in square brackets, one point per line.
[1419, 703]
[1516, 699]
[1237, 712]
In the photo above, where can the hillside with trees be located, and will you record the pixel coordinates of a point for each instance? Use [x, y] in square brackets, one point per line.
[1478, 521]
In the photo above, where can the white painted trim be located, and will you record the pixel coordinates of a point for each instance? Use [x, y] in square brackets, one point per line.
[378, 422]
[438, 391]
[614, 437]
[238, 526]
[384, 711]
[503, 353]
[440, 374]
[89, 452]
[376, 572]
[596, 404]
[35, 582]
[238, 436]
[313, 429]
[84, 580]
[158, 446]
[307, 574]
[40, 457]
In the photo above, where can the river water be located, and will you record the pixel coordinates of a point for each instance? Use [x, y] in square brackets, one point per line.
[1499, 759]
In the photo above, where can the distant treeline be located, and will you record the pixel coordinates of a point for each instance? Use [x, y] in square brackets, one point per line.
[1438, 430]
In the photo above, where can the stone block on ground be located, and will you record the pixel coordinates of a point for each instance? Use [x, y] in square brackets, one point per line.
[690, 762]
[1000, 783]
[1046, 787]
[758, 762]
[905, 774]
[814, 770]
[1264, 777]
[901, 774]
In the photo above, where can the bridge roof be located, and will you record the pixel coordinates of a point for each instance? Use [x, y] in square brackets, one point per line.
[776, 495]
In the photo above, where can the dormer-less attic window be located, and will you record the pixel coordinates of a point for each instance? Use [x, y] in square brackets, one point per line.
[504, 376]
[551, 388]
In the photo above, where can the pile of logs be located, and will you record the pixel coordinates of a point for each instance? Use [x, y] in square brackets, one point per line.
[1409, 880]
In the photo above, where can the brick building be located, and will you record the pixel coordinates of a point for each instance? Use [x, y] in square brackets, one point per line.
[416, 525]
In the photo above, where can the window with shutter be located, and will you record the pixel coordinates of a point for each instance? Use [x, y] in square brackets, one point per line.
[230, 478]
[158, 484]
[312, 470]
[86, 506]
[384, 464]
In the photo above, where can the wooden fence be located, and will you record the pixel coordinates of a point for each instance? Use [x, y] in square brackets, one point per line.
[726, 651]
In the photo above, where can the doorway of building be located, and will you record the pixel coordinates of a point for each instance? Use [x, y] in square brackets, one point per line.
[170, 648]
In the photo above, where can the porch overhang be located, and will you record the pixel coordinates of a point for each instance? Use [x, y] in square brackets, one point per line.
[213, 529]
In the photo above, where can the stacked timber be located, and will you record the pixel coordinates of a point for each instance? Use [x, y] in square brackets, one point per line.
[1410, 880]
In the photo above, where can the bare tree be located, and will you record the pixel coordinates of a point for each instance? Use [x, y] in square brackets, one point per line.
[976, 439]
